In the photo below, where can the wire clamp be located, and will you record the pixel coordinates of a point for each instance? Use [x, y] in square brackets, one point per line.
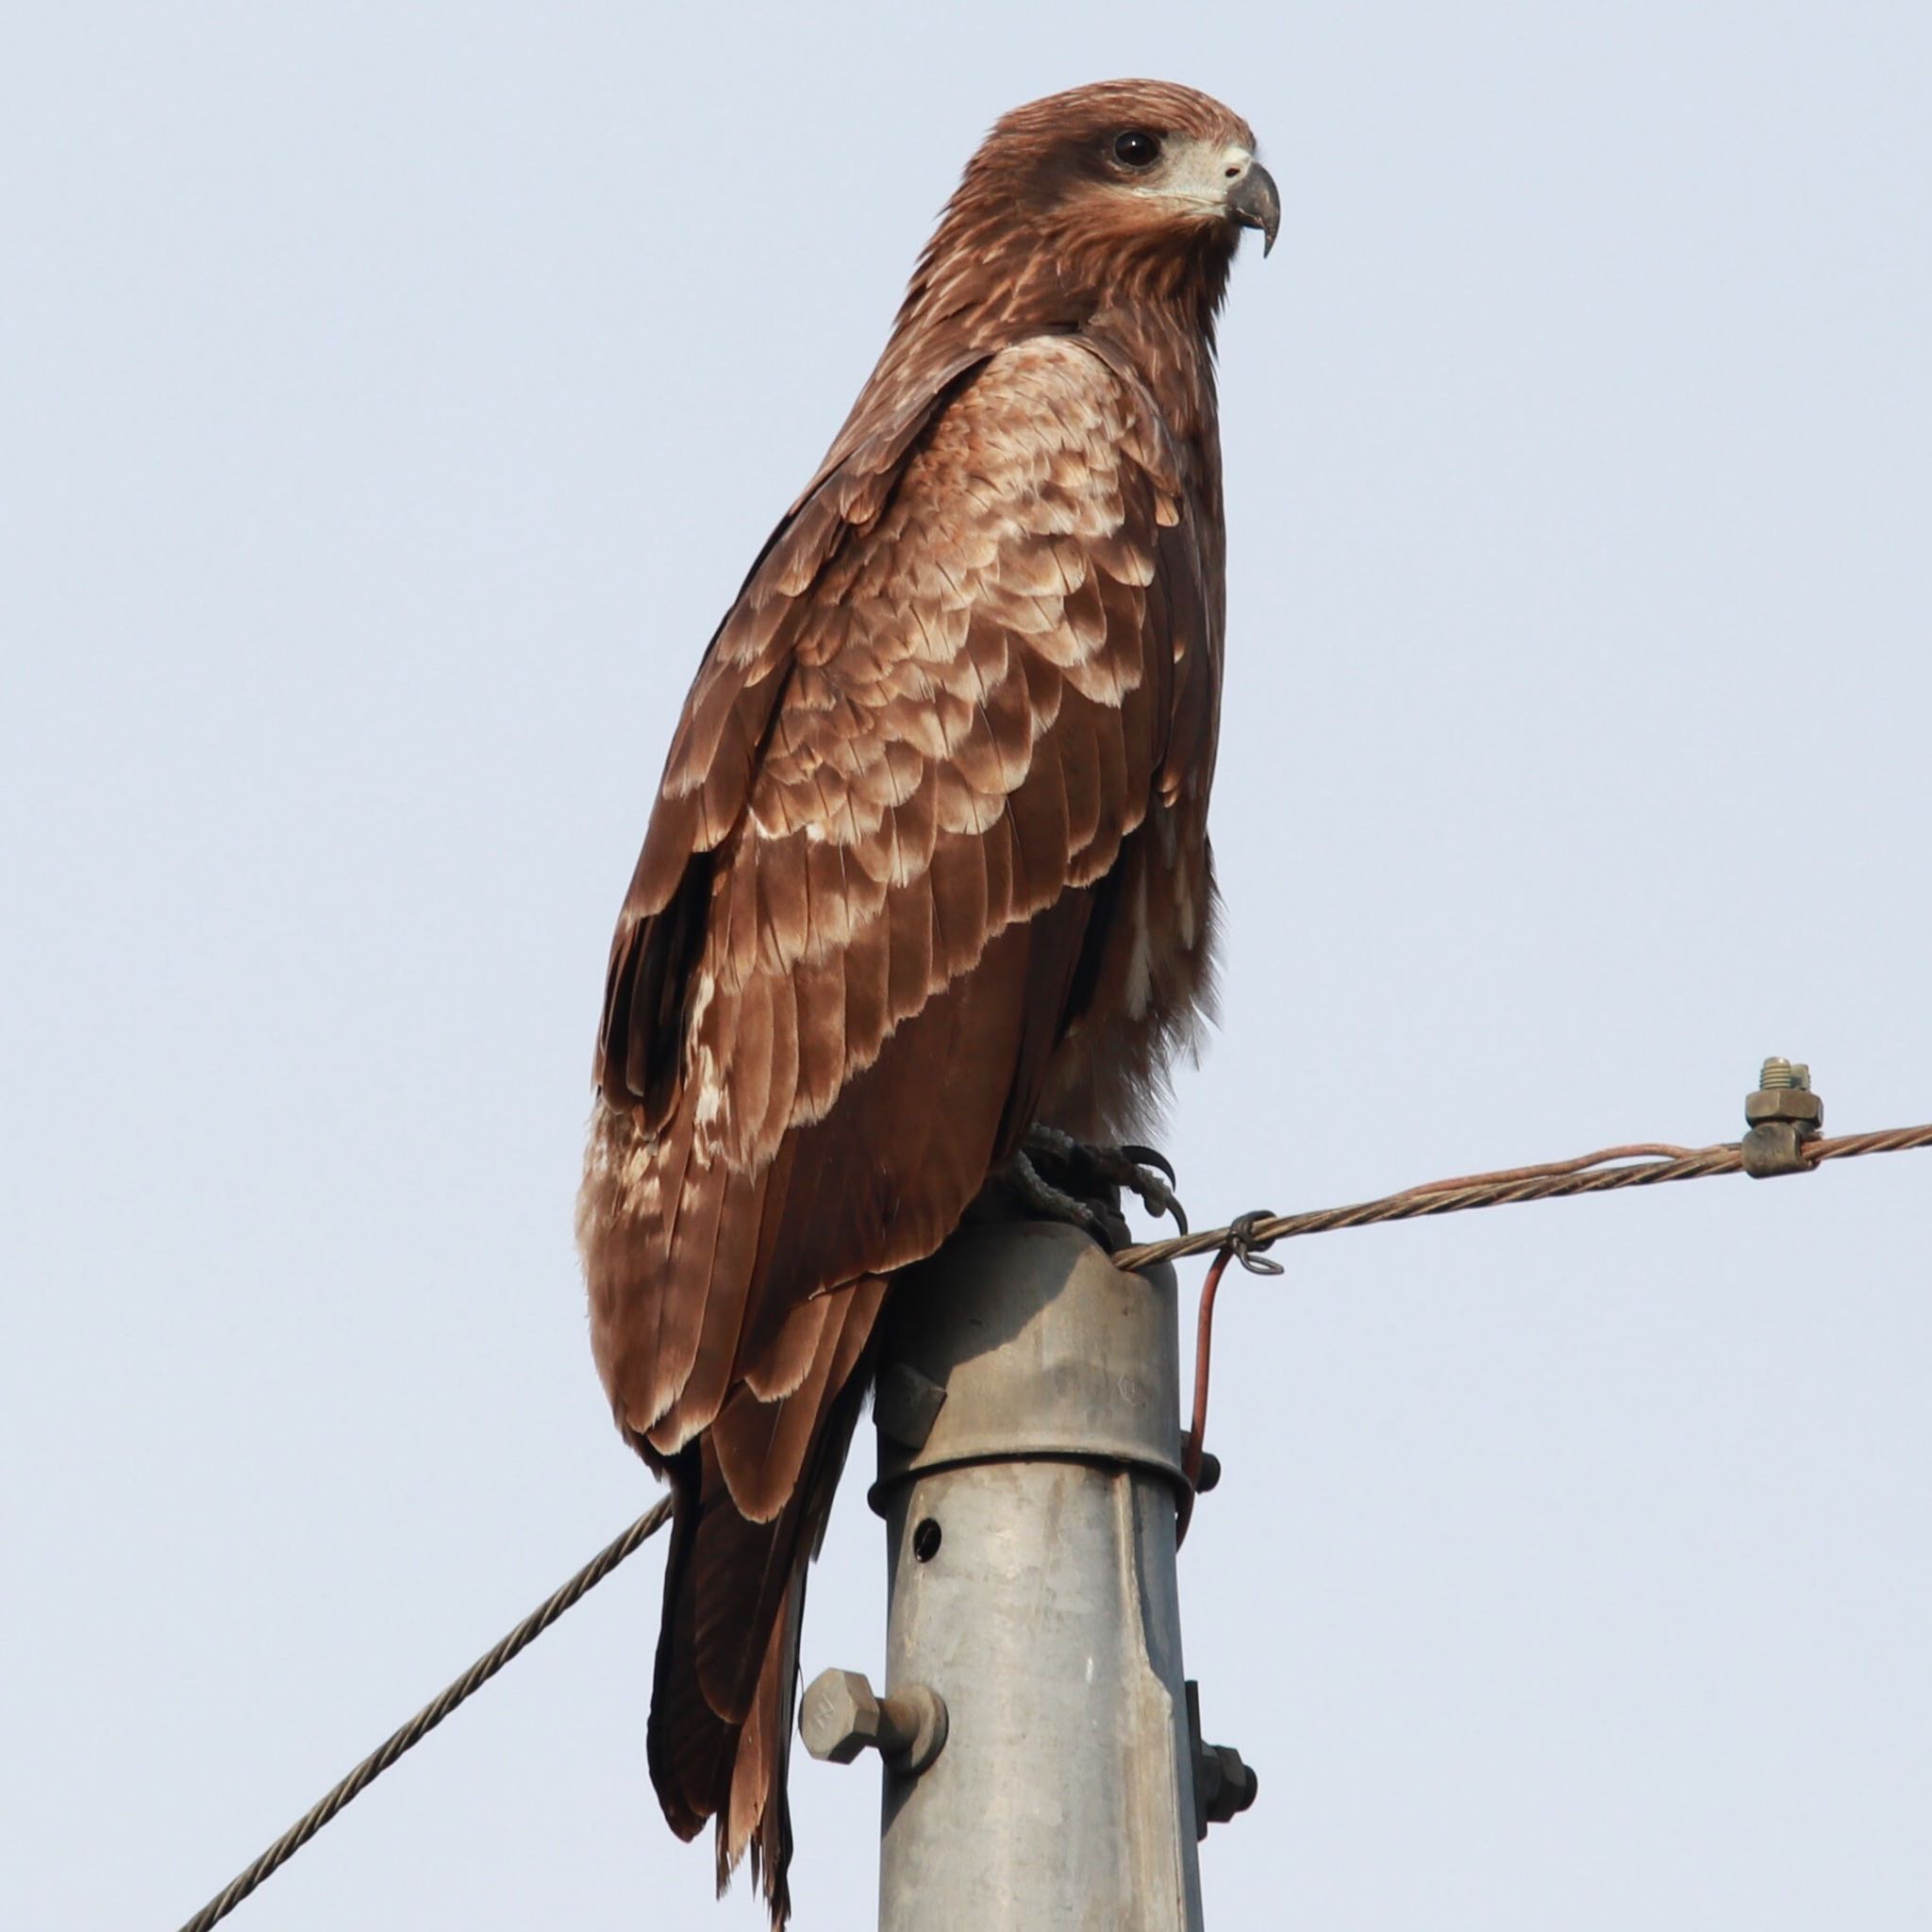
[1779, 1119]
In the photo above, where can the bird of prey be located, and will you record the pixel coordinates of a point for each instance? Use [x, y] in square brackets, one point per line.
[926, 873]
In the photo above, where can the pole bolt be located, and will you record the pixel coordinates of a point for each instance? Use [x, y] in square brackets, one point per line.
[841, 1715]
[1224, 1782]
[1781, 1116]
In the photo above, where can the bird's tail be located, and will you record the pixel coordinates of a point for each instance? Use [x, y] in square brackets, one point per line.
[727, 1678]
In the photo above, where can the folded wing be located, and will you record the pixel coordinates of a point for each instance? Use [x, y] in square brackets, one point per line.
[867, 910]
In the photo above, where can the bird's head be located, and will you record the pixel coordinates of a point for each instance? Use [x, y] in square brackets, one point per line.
[1123, 190]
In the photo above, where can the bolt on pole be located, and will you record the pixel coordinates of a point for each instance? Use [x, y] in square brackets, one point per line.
[1041, 1767]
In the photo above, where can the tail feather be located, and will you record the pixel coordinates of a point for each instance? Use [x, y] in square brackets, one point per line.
[752, 1821]
[726, 1677]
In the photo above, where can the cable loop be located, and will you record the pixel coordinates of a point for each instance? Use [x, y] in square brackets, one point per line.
[1248, 1246]
[1241, 1243]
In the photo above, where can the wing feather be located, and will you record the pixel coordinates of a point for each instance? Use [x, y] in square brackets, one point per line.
[914, 754]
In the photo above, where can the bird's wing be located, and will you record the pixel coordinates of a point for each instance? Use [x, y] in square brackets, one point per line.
[937, 708]
[857, 931]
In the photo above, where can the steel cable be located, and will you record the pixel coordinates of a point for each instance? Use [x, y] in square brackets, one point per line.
[540, 1620]
[1586, 1174]
[1603, 1172]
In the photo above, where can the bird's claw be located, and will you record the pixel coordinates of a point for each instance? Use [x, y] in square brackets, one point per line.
[1149, 1157]
[1134, 1167]
[1086, 1169]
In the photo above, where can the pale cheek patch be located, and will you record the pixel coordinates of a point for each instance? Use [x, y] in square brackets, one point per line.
[1195, 179]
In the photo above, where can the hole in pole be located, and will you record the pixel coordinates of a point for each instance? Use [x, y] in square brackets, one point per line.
[925, 1540]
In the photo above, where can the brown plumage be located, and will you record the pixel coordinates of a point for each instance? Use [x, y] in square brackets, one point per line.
[935, 814]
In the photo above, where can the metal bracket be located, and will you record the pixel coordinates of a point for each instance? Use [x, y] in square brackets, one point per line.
[906, 1405]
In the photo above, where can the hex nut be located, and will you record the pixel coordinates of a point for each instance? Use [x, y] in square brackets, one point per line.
[1236, 1788]
[1783, 1103]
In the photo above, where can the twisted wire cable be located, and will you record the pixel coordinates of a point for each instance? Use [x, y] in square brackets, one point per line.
[540, 1620]
[1642, 1165]
[1639, 1165]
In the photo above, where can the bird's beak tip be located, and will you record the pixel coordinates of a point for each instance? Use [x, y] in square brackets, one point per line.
[1256, 203]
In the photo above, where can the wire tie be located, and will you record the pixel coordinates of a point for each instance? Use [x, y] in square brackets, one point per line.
[1250, 1248]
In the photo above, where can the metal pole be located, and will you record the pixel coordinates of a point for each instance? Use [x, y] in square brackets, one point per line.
[1039, 1765]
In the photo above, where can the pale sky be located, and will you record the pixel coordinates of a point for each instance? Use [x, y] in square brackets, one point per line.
[390, 400]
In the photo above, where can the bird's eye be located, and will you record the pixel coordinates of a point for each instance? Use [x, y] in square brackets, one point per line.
[1135, 149]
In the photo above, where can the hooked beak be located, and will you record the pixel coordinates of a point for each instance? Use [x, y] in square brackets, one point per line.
[1255, 202]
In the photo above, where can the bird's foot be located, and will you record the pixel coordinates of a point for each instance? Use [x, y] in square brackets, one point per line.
[1061, 1178]
[1037, 1198]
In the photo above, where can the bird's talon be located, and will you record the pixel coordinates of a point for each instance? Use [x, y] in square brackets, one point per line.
[1087, 1170]
[1149, 1157]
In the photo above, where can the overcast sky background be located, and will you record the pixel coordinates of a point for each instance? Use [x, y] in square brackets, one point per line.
[390, 400]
